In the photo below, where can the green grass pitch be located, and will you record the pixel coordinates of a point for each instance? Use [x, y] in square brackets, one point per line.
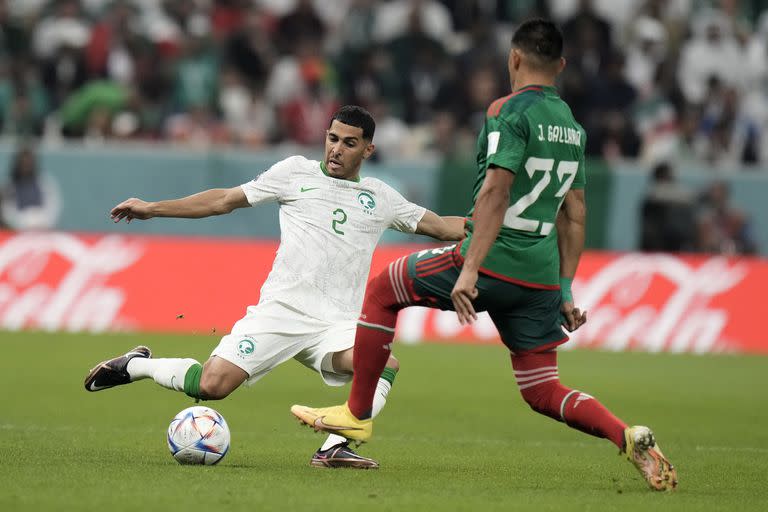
[455, 435]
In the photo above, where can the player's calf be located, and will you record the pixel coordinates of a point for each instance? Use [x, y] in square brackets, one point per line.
[218, 379]
[539, 383]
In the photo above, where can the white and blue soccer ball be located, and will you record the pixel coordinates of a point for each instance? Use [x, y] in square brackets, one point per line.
[198, 435]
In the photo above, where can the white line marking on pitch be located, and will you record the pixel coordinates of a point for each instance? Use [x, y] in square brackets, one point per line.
[731, 449]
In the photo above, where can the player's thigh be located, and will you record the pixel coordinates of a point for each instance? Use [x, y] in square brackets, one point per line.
[431, 276]
[318, 354]
[531, 323]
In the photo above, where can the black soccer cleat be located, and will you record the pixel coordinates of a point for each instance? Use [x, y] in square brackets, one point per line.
[341, 456]
[113, 372]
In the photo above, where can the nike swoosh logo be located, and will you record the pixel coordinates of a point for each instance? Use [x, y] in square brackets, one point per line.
[319, 423]
[308, 189]
[94, 387]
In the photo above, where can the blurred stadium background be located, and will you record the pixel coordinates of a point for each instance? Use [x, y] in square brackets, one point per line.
[102, 99]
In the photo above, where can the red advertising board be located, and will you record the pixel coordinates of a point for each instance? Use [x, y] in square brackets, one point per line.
[645, 302]
[62, 281]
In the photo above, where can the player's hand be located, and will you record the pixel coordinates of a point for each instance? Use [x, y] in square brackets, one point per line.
[571, 317]
[464, 292]
[131, 209]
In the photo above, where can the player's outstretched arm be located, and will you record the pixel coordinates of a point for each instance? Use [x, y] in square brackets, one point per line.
[216, 201]
[492, 202]
[443, 228]
[571, 231]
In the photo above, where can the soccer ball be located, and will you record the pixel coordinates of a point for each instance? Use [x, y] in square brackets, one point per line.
[198, 435]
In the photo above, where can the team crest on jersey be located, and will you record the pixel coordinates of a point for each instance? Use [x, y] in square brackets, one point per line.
[366, 201]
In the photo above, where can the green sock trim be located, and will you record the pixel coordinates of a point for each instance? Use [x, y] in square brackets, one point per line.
[389, 375]
[192, 380]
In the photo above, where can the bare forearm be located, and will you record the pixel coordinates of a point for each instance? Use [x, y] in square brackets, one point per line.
[488, 218]
[203, 204]
[441, 228]
[570, 244]
[453, 228]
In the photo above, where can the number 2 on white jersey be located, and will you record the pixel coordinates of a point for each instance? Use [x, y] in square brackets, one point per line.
[565, 168]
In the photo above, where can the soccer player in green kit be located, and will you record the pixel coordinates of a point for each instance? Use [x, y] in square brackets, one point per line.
[525, 238]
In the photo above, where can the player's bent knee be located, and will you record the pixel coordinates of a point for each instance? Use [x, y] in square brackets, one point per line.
[537, 405]
[214, 388]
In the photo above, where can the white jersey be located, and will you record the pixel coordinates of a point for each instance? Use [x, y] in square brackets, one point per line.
[329, 228]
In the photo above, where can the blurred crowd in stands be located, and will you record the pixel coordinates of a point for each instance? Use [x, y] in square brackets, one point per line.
[674, 218]
[647, 78]
[29, 200]
[652, 80]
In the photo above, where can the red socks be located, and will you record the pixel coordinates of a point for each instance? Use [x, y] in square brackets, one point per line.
[372, 349]
[537, 377]
[373, 343]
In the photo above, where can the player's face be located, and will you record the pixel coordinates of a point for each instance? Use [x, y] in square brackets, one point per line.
[345, 150]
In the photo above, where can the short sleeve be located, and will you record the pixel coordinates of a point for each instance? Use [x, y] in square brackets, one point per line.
[506, 142]
[405, 215]
[268, 186]
[580, 181]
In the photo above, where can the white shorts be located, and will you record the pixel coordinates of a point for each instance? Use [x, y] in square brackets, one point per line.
[271, 333]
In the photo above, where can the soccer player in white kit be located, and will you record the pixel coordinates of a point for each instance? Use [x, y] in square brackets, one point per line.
[330, 221]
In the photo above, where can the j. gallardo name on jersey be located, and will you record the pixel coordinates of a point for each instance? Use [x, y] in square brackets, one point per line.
[559, 134]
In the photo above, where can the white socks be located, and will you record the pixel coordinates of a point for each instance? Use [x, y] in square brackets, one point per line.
[379, 399]
[168, 372]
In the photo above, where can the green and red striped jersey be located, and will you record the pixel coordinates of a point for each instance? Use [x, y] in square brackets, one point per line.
[531, 133]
